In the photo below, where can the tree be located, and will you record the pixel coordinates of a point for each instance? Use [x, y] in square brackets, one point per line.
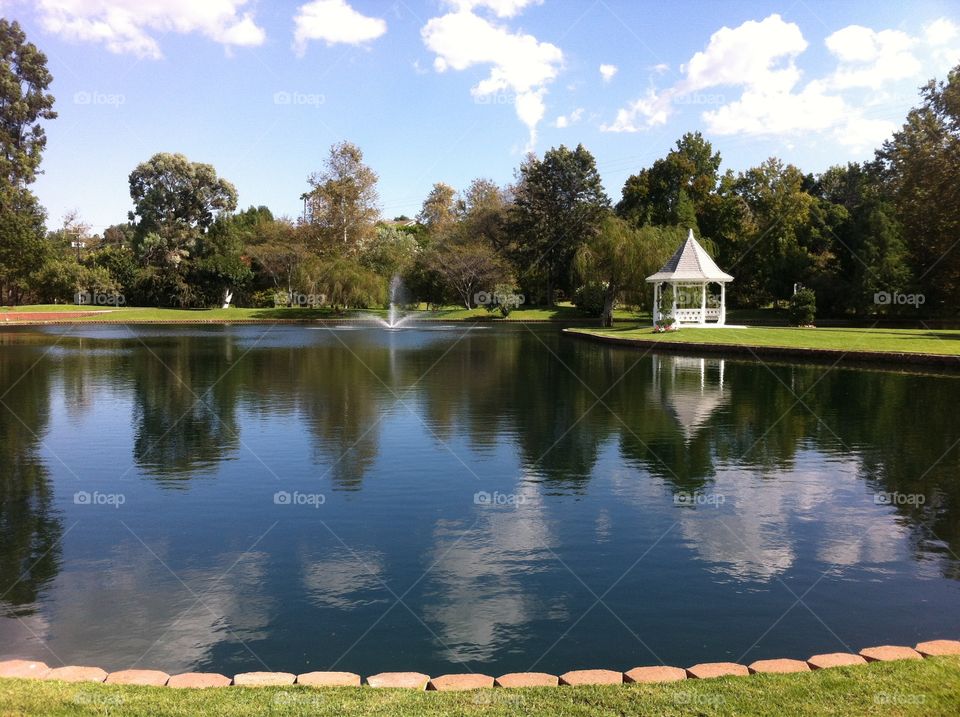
[559, 203]
[921, 170]
[484, 212]
[439, 211]
[177, 199]
[391, 252]
[470, 268]
[279, 251]
[342, 201]
[676, 189]
[24, 103]
[867, 240]
[23, 248]
[770, 257]
[619, 257]
[175, 202]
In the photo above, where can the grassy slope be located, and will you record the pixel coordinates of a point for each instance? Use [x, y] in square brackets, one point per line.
[930, 687]
[847, 339]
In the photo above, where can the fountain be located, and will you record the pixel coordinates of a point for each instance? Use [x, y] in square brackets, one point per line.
[394, 321]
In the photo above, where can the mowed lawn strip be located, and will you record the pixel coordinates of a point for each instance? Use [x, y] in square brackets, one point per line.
[921, 341]
[127, 314]
[927, 687]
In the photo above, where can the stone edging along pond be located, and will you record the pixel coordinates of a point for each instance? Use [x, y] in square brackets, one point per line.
[891, 358]
[30, 669]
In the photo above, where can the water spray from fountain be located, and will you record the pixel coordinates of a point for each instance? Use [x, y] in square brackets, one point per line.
[397, 295]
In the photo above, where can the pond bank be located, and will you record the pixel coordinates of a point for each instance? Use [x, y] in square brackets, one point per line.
[901, 687]
[892, 347]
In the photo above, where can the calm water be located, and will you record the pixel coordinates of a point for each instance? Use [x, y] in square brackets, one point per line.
[495, 499]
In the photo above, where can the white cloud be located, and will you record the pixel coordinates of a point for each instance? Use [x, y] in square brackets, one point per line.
[941, 31]
[759, 55]
[871, 59]
[500, 8]
[756, 64]
[573, 118]
[607, 72]
[943, 37]
[334, 22]
[519, 63]
[130, 26]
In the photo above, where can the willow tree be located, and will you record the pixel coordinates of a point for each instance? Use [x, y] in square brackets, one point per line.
[619, 257]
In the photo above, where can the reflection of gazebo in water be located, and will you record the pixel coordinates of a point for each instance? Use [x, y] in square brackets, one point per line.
[690, 388]
[689, 272]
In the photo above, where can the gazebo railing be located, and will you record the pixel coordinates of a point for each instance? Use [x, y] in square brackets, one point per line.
[692, 316]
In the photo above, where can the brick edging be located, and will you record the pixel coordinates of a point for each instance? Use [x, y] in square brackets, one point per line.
[751, 351]
[34, 669]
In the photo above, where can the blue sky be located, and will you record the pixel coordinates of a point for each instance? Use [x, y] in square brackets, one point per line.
[449, 90]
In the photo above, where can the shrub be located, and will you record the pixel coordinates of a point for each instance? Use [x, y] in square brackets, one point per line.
[803, 307]
[589, 298]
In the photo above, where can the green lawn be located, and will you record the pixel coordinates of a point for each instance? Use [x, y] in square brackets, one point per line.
[930, 687]
[133, 314]
[927, 341]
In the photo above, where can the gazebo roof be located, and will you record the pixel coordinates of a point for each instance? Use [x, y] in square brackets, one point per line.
[690, 263]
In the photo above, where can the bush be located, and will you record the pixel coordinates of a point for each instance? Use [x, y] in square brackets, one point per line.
[589, 298]
[803, 307]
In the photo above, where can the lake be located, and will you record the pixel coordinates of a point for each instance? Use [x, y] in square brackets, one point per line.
[451, 498]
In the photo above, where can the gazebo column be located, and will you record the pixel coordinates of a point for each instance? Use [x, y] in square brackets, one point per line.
[723, 303]
[656, 303]
[703, 303]
[673, 310]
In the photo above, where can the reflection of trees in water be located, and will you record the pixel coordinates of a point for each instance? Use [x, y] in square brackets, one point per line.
[669, 417]
[185, 404]
[30, 528]
[339, 394]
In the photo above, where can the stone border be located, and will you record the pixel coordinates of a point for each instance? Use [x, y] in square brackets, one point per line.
[891, 358]
[36, 670]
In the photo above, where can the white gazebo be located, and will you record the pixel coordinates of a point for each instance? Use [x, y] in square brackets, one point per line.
[689, 272]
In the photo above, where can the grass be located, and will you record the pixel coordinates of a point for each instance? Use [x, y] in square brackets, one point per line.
[922, 341]
[928, 687]
[562, 312]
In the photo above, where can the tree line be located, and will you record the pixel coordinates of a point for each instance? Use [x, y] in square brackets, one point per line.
[869, 238]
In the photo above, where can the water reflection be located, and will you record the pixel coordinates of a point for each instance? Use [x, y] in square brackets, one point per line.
[30, 526]
[596, 446]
